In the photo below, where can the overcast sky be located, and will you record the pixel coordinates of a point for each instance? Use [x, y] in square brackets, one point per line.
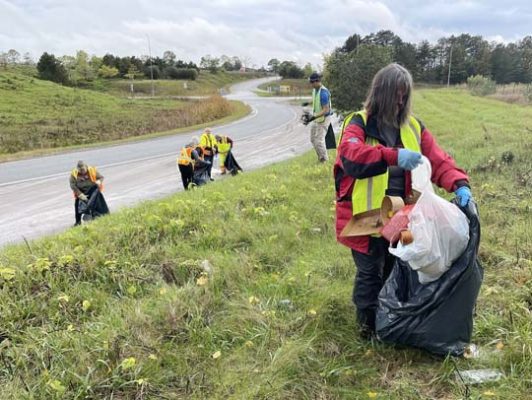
[259, 30]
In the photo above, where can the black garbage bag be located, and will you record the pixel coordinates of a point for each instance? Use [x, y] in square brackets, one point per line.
[201, 173]
[330, 139]
[95, 206]
[231, 164]
[437, 316]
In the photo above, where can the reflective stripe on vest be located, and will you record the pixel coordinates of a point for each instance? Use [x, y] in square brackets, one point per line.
[316, 103]
[368, 193]
[185, 157]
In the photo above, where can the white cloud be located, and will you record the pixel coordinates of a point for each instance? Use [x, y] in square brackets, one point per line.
[259, 29]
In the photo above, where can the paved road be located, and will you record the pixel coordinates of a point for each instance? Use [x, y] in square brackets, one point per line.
[35, 199]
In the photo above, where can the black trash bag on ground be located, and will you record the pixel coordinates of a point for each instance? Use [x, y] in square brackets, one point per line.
[201, 173]
[330, 139]
[231, 164]
[437, 316]
[95, 206]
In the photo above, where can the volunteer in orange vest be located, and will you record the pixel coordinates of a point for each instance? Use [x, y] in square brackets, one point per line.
[378, 148]
[186, 161]
[83, 180]
[208, 143]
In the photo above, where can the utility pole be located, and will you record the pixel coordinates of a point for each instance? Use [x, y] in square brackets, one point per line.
[151, 68]
[450, 61]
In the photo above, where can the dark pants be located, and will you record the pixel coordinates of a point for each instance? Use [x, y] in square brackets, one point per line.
[78, 215]
[187, 172]
[372, 271]
[209, 159]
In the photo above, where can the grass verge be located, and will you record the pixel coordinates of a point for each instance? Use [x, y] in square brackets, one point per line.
[128, 307]
[206, 84]
[297, 87]
[240, 110]
[37, 115]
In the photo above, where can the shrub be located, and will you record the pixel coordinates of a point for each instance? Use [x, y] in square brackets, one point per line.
[156, 72]
[181, 73]
[480, 85]
[527, 92]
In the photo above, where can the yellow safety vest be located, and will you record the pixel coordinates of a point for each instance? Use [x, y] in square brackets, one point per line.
[185, 156]
[91, 170]
[208, 142]
[316, 103]
[369, 192]
[224, 146]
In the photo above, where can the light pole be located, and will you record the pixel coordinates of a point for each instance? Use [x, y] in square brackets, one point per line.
[151, 67]
[450, 61]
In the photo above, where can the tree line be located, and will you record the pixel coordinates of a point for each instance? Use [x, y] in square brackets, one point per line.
[467, 55]
[349, 68]
[82, 69]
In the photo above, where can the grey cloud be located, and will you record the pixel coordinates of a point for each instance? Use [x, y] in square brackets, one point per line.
[260, 29]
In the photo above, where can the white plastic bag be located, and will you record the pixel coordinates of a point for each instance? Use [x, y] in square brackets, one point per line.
[440, 230]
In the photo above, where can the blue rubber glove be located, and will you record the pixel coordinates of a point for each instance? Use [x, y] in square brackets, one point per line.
[464, 195]
[408, 159]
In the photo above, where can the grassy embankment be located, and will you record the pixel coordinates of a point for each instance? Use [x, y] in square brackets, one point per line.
[206, 84]
[37, 116]
[298, 87]
[123, 308]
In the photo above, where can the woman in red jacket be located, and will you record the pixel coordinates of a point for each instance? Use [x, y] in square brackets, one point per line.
[378, 148]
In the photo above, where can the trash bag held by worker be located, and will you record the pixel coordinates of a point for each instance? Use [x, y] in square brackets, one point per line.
[437, 316]
[440, 231]
[95, 206]
[231, 164]
[330, 139]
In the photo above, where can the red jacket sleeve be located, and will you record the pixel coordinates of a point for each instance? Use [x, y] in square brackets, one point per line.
[445, 173]
[360, 160]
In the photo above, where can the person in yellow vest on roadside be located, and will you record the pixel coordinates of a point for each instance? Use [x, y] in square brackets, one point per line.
[84, 180]
[321, 116]
[188, 156]
[378, 148]
[225, 145]
[228, 162]
[209, 146]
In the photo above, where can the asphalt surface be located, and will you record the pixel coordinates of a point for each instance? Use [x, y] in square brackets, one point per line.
[35, 198]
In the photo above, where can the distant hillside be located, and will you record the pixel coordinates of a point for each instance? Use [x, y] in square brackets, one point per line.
[37, 114]
[206, 84]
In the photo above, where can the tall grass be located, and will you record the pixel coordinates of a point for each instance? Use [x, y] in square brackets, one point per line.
[36, 114]
[239, 290]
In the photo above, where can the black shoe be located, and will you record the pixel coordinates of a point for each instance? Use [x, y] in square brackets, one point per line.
[212, 179]
[366, 333]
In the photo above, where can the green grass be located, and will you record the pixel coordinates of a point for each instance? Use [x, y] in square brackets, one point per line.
[37, 115]
[124, 307]
[206, 84]
[298, 87]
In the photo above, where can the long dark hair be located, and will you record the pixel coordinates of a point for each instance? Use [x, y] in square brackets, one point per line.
[383, 96]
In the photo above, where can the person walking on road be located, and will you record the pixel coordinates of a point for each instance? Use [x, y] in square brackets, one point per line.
[208, 144]
[186, 161]
[378, 148]
[320, 119]
[84, 181]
